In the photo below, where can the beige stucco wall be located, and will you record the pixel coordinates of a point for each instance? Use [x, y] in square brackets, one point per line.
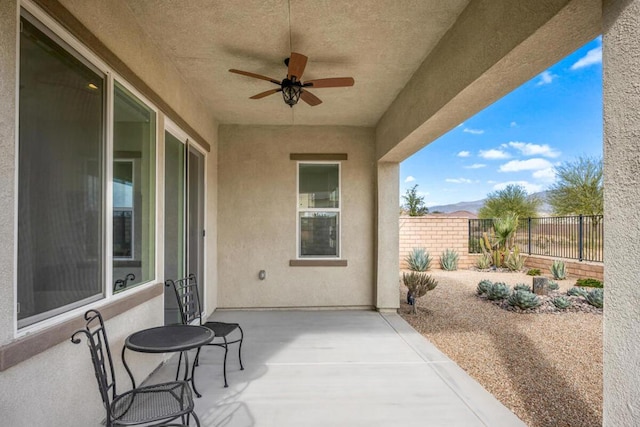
[61, 379]
[257, 217]
[621, 83]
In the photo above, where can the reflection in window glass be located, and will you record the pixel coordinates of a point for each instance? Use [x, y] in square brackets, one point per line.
[134, 140]
[318, 210]
[60, 177]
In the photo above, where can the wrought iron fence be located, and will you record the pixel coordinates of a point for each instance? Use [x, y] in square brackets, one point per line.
[574, 237]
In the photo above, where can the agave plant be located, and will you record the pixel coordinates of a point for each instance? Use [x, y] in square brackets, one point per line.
[596, 297]
[449, 260]
[514, 261]
[558, 270]
[524, 299]
[522, 287]
[577, 292]
[483, 287]
[418, 260]
[561, 302]
[553, 286]
[483, 262]
[498, 291]
[418, 284]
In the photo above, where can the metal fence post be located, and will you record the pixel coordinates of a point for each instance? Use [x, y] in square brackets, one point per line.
[529, 233]
[580, 239]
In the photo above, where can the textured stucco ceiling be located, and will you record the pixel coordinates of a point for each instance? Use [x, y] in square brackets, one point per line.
[379, 42]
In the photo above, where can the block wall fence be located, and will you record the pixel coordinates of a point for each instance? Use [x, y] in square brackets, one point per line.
[437, 233]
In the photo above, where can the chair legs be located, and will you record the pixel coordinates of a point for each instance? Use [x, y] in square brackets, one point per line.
[224, 345]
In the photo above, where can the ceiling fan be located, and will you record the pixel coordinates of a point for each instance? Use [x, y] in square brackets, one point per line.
[292, 87]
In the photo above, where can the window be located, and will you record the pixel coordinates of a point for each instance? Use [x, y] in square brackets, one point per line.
[60, 176]
[318, 210]
[134, 175]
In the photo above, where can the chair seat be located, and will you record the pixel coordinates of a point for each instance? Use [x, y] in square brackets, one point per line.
[221, 329]
[154, 402]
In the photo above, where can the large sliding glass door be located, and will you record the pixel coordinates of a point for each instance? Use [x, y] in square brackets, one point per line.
[183, 217]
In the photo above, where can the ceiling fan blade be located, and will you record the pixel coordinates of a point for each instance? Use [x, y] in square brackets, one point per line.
[267, 93]
[332, 82]
[310, 98]
[255, 76]
[297, 63]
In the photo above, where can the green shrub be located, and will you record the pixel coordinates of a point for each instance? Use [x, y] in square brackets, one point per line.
[558, 270]
[483, 287]
[524, 299]
[449, 260]
[561, 302]
[418, 284]
[533, 272]
[596, 297]
[483, 262]
[590, 283]
[498, 291]
[418, 260]
[514, 261]
[522, 287]
[577, 292]
[553, 286]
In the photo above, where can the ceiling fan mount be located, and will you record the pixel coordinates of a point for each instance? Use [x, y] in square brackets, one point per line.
[292, 86]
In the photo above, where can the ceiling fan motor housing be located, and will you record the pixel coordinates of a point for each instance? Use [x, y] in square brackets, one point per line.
[291, 90]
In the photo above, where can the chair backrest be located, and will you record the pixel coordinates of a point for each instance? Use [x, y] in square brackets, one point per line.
[96, 338]
[186, 290]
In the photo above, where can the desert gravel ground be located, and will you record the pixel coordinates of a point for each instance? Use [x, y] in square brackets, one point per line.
[546, 368]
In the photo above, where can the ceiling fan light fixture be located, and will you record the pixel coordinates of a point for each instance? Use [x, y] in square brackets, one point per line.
[291, 93]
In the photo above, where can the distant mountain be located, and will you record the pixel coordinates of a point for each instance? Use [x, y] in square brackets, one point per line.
[475, 205]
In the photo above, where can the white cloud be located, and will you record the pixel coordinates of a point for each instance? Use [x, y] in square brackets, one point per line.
[513, 124]
[548, 174]
[409, 179]
[476, 166]
[546, 77]
[594, 56]
[491, 181]
[459, 180]
[529, 187]
[493, 154]
[529, 149]
[473, 131]
[525, 165]
[460, 124]
[464, 154]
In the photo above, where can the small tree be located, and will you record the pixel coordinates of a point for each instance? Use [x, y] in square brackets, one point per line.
[513, 199]
[414, 204]
[578, 188]
[418, 284]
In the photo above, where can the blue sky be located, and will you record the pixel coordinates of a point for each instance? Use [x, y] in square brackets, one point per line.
[553, 118]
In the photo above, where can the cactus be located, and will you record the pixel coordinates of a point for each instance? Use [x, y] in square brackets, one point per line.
[596, 297]
[483, 287]
[577, 292]
[418, 284]
[418, 260]
[524, 299]
[558, 270]
[561, 302]
[498, 291]
[483, 262]
[449, 260]
[553, 286]
[522, 287]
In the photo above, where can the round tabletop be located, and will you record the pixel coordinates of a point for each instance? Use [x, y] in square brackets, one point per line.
[169, 338]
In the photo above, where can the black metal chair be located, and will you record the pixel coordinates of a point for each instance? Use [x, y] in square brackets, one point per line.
[186, 290]
[157, 404]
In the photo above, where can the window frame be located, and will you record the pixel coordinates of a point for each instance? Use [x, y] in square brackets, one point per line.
[28, 10]
[300, 210]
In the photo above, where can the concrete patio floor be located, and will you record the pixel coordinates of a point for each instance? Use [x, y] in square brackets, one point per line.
[336, 368]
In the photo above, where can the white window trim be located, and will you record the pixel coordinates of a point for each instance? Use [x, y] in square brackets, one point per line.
[338, 210]
[107, 275]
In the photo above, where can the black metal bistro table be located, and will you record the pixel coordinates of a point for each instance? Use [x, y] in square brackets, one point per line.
[169, 339]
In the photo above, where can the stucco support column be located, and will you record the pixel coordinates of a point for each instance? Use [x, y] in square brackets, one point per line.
[388, 240]
[621, 90]
[8, 129]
